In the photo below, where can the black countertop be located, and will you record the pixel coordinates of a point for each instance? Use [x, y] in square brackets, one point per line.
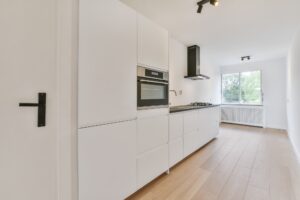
[183, 108]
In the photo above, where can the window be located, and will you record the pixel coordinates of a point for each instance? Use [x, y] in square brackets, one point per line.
[242, 88]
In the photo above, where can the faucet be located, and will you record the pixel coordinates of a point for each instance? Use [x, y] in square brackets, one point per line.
[175, 92]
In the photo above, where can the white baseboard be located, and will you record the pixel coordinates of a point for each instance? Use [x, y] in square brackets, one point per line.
[276, 128]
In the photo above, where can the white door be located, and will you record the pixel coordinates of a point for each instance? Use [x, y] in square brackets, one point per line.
[28, 154]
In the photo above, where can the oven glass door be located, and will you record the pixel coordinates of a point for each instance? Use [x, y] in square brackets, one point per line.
[152, 93]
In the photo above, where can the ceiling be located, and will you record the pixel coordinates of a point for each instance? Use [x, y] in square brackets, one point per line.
[262, 29]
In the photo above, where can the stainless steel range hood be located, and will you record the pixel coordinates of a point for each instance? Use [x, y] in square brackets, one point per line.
[194, 64]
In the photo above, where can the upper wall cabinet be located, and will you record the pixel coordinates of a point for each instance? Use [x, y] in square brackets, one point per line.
[107, 62]
[153, 45]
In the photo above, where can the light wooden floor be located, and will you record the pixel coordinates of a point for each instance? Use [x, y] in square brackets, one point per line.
[242, 163]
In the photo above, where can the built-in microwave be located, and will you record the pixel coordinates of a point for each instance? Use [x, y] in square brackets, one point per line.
[152, 88]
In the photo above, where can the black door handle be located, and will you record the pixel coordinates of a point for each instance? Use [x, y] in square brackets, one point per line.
[41, 105]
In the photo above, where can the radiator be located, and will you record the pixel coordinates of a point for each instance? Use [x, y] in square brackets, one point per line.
[247, 115]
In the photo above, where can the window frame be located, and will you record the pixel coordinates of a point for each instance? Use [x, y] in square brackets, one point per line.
[240, 92]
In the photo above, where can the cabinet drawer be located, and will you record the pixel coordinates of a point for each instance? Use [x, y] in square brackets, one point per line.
[175, 152]
[151, 165]
[175, 126]
[152, 132]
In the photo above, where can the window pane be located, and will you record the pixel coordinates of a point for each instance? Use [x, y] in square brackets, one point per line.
[230, 88]
[250, 87]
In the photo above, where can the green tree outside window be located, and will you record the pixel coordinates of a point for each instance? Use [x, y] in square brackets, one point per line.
[242, 88]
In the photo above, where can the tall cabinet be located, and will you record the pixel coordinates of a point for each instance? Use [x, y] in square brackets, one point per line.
[107, 100]
[107, 62]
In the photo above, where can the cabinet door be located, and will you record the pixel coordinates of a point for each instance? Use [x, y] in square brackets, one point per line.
[175, 126]
[191, 122]
[153, 44]
[152, 132]
[216, 121]
[107, 161]
[205, 125]
[209, 123]
[175, 151]
[191, 142]
[151, 165]
[107, 62]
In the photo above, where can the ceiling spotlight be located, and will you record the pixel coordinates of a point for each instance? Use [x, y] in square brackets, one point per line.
[200, 6]
[214, 2]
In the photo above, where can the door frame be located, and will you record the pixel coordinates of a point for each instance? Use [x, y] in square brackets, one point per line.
[67, 65]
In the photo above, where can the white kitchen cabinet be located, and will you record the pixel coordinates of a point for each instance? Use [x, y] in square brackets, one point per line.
[191, 122]
[200, 127]
[216, 121]
[107, 161]
[107, 62]
[191, 142]
[175, 151]
[152, 164]
[176, 138]
[152, 132]
[152, 144]
[209, 123]
[176, 125]
[153, 44]
[205, 125]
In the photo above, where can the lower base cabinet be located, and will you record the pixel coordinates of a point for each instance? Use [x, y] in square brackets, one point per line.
[107, 161]
[152, 144]
[211, 122]
[116, 160]
[204, 127]
[152, 164]
[175, 151]
[191, 142]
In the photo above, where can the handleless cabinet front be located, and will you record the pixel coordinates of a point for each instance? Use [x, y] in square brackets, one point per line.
[176, 126]
[176, 138]
[191, 123]
[107, 161]
[153, 44]
[151, 132]
[107, 62]
[151, 164]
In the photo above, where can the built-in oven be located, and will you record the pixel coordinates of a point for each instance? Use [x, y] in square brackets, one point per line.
[152, 88]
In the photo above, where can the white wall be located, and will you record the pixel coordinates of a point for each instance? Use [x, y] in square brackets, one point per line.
[274, 88]
[293, 93]
[192, 91]
[209, 90]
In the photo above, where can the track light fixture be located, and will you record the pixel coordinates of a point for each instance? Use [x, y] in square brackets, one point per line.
[214, 2]
[200, 7]
[243, 58]
[201, 4]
